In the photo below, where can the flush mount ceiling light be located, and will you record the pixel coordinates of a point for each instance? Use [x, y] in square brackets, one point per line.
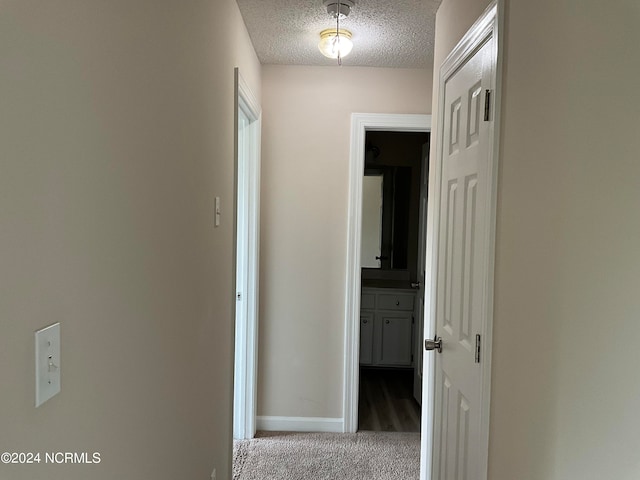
[336, 42]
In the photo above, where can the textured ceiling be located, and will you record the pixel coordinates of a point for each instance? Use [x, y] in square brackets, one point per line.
[386, 33]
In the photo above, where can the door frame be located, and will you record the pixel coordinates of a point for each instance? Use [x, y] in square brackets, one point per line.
[246, 333]
[488, 24]
[361, 123]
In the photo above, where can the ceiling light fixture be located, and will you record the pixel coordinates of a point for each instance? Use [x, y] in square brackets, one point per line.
[336, 42]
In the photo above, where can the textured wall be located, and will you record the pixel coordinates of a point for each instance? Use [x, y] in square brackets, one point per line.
[116, 132]
[305, 157]
[566, 330]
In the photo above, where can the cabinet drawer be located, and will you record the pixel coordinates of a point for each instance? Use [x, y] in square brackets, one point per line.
[368, 301]
[395, 301]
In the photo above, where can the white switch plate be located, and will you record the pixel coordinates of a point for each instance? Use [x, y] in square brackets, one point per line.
[47, 363]
[217, 208]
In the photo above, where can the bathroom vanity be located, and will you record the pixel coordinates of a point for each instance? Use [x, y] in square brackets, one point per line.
[386, 327]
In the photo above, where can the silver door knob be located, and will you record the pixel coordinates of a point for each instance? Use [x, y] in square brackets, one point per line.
[435, 344]
[415, 284]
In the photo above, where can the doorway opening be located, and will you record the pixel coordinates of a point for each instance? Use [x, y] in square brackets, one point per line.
[247, 228]
[392, 258]
[361, 125]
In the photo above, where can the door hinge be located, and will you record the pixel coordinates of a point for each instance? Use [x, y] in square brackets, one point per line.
[413, 319]
[487, 105]
[412, 358]
[477, 348]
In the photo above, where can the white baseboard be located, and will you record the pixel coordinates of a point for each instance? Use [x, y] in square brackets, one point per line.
[300, 424]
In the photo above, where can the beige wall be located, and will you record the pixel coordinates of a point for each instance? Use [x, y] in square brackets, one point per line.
[116, 132]
[305, 157]
[566, 330]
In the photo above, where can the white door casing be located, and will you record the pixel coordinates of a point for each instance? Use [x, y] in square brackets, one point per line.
[360, 124]
[246, 244]
[462, 248]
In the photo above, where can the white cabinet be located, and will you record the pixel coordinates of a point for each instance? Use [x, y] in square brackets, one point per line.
[393, 341]
[366, 337]
[386, 327]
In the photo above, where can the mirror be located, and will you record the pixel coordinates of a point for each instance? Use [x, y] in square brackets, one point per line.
[391, 204]
[371, 247]
[385, 217]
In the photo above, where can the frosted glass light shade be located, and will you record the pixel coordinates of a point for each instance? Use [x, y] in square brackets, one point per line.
[331, 44]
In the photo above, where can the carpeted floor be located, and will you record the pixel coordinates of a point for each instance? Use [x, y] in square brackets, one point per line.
[328, 456]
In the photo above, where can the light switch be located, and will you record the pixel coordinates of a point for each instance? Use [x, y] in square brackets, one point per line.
[217, 207]
[47, 363]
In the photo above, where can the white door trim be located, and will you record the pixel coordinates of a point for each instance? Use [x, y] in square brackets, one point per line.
[246, 335]
[485, 27]
[360, 124]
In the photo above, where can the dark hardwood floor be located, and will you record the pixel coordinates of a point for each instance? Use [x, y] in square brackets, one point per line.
[386, 401]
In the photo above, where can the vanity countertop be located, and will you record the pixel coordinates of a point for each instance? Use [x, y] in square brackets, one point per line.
[385, 283]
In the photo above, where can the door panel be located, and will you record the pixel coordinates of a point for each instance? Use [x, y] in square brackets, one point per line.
[468, 240]
[445, 405]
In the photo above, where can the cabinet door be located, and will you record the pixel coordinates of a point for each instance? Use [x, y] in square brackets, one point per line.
[393, 342]
[366, 338]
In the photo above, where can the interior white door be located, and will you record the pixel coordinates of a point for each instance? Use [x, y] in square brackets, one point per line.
[247, 240]
[462, 267]
[419, 303]
[242, 274]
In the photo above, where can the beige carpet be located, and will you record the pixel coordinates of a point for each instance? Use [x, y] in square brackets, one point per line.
[328, 456]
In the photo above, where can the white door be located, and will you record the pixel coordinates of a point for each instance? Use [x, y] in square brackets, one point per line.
[247, 223]
[242, 274]
[419, 304]
[463, 266]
